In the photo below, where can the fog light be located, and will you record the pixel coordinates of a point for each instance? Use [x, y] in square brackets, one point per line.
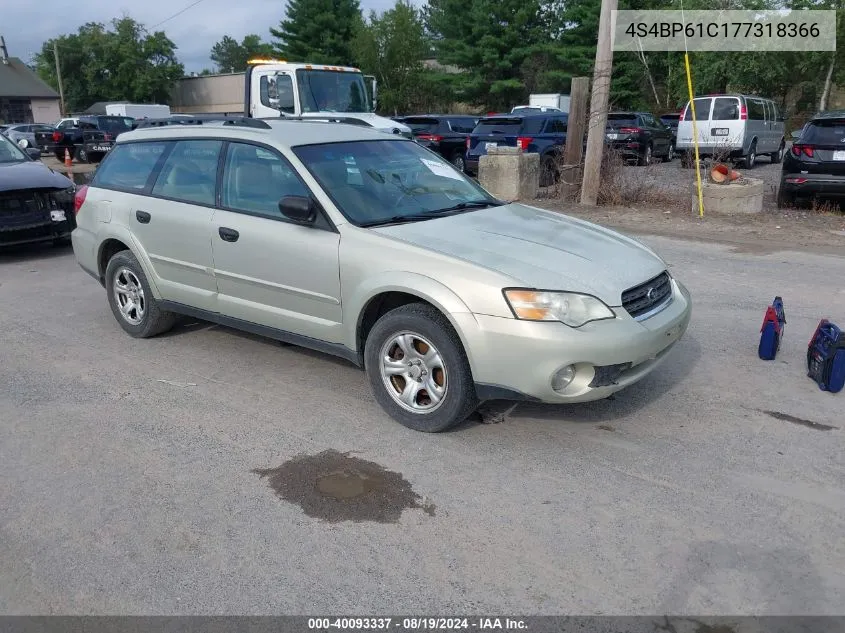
[563, 377]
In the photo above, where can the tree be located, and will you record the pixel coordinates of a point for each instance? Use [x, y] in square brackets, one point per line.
[392, 47]
[490, 40]
[318, 31]
[231, 57]
[124, 63]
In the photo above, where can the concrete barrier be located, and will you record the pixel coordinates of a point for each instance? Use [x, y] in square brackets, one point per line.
[510, 174]
[738, 197]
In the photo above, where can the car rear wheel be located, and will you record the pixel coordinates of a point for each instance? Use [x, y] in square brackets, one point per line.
[60, 156]
[82, 155]
[646, 156]
[786, 199]
[778, 155]
[549, 174]
[670, 153]
[751, 158]
[131, 299]
[418, 370]
[459, 162]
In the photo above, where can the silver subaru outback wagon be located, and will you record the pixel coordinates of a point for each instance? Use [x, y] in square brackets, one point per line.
[372, 248]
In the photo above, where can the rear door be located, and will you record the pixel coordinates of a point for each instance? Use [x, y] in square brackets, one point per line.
[822, 147]
[726, 128]
[164, 192]
[757, 127]
[702, 106]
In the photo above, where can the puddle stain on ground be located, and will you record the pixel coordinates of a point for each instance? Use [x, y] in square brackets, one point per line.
[818, 426]
[336, 487]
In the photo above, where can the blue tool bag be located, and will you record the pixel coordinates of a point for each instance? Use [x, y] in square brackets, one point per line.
[771, 331]
[826, 357]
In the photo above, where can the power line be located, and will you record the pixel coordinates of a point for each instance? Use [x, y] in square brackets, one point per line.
[178, 13]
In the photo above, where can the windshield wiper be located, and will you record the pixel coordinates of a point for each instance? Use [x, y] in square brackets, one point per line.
[428, 215]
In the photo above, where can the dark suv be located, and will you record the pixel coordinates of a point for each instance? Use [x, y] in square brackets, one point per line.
[538, 133]
[444, 134]
[671, 120]
[639, 136]
[815, 165]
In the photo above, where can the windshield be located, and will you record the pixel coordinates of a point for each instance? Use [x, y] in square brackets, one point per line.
[9, 152]
[380, 181]
[332, 91]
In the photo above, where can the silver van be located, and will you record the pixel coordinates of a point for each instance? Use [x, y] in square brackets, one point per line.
[737, 127]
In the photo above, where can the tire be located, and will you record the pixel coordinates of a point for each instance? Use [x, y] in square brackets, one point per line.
[82, 156]
[419, 328]
[60, 156]
[459, 162]
[670, 153]
[751, 159]
[646, 157]
[548, 172]
[786, 200]
[151, 319]
[777, 157]
[687, 160]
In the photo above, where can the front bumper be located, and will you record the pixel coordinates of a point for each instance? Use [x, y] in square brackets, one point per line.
[813, 184]
[45, 231]
[513, 359]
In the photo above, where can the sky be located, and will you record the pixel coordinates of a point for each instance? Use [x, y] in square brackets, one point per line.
[27, 24]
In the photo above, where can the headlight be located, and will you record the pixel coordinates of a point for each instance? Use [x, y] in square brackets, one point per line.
[570, 308]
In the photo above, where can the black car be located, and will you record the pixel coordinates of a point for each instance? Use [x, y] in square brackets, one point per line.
[671, 121]
[36, 203]
[815, 164]
[88, 141]
[445, 134]
[639, 136]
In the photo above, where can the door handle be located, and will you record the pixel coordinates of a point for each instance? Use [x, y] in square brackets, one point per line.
[143, 217]
[228, 235]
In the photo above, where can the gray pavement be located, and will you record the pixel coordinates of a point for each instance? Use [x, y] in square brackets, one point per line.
[123, 494]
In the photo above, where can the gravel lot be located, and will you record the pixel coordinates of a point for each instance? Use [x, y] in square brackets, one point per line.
[178, 475]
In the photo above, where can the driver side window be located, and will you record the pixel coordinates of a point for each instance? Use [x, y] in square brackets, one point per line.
[277, 93]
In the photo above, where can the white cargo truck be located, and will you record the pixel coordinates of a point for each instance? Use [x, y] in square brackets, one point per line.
[138, 110]
[553, 100]
[276, 88]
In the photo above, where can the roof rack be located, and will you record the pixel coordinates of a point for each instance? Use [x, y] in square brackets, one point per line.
[321, 119]
[201, 120]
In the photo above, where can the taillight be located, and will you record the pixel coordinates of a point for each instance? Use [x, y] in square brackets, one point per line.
[468, 141]
[523, 142]
[430, 137]
[629, 130]
[79, 198]
[682, 115]
[743, 113]
[106, 137]
[57, 136]
[807, 150]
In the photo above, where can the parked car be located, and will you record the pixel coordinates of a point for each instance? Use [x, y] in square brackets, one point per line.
[88, 140]
[734, 127]
[36, 203]
[443, 294]
[639, 136]
[815, 164]
[24, 133]
[671, 121]
[445, 134]
[541, 133]
[524, 109]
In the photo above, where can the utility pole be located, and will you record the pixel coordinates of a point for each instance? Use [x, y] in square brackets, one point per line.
[598, 106]
[59, 77]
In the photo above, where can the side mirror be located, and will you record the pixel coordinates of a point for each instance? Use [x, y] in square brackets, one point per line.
[299, 209]
[34, 153]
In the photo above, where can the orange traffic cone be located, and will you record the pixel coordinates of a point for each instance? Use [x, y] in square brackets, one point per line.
[68, 160]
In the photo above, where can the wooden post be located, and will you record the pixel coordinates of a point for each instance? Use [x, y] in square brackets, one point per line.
[59, 77]
[576, 121]
[598, 106]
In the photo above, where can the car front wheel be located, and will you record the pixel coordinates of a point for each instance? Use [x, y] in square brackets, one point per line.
[418, 370]
[131, 299]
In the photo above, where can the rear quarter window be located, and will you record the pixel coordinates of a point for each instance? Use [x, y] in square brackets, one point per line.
[129, 165]
[702, 110]
[756, 110]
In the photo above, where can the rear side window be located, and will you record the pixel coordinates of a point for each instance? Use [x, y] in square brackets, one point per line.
[190, 172]
[499, 125]
[556, 126]
[725, 109]
[702, 110]
[129, 165]
[422, 125]
[825, 133]
[462, 126]
[756, 110]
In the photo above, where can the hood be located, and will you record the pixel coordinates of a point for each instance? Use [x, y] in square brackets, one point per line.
[31, 175]
[538, 249]
[382, 124]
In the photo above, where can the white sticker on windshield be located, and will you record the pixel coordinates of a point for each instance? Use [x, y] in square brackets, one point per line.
[439, 169]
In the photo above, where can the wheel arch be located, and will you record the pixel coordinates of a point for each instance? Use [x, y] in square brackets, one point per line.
[123, 241]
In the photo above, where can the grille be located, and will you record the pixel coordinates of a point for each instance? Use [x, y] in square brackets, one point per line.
[643, 298]
[24, 209]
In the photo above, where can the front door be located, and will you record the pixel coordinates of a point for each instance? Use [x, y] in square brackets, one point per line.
[269, 270]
